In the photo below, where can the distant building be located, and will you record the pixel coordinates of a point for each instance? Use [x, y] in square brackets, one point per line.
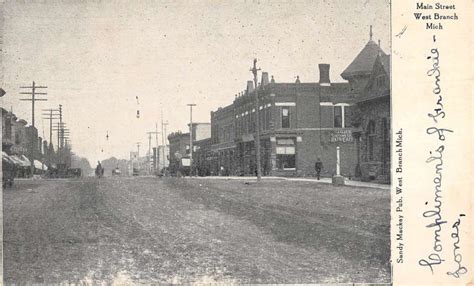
[201, 131]
[203, 157]
[22, 143]
[162, 156]
[178, 149]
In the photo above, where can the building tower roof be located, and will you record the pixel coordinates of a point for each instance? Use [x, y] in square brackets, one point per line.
[364, 62]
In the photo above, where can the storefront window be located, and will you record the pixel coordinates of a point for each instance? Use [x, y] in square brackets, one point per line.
[286, 154]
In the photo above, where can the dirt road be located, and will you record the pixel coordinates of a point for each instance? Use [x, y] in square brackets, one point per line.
[173, 230]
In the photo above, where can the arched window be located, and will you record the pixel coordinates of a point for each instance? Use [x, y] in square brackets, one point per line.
[370, 140]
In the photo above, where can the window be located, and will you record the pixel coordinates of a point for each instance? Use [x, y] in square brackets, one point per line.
[370, 140]
[338, 116]
[286, 154]
[285, 117]
[381, 81]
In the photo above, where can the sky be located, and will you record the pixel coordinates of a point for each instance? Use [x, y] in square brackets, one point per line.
[97, 57]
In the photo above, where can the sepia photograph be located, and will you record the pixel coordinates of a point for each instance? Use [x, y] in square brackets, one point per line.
[196, 142]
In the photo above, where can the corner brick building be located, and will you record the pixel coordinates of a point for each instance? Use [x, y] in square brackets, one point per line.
[299, 122]
[303, 121]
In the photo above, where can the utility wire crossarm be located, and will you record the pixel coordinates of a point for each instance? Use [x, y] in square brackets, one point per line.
[51, 117]
[33, 98]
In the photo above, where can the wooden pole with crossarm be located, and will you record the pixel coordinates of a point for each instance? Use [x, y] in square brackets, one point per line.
[33, 98]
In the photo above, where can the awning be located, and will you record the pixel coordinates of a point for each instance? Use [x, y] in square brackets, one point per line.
[39, 165]
[21, 161]
[247, 138]
[25, 160]
[7, 158]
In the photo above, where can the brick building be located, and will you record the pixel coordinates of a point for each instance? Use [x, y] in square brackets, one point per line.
[179, 145]
[299, 122]
[369, 78]
[21, 142]
[203, 158]
[178, 148]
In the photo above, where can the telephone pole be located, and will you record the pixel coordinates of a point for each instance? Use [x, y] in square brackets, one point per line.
[51, 117]
[61, 124]
[163, 139]
[33, 98]
[62, 131]
[191, 137]
[254, 70]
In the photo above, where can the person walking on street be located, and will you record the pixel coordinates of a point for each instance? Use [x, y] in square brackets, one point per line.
[317, 167]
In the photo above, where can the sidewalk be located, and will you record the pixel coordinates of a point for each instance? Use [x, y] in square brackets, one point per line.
[323, 180]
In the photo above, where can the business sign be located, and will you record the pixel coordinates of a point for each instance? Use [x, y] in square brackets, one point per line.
[342, 135]
[18, 149]
[186, 162]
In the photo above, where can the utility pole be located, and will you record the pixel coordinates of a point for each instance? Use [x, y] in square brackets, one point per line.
[157, 155]
[51, 117]
[254, 70]
[163, 138]
[191, 137]
[61, 123]
[33, 98]
[138, 150]
[63, 133]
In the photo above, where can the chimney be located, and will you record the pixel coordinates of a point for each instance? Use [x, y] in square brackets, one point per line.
[324, 75]
[272, 80]
[249, 86]
[264, 78]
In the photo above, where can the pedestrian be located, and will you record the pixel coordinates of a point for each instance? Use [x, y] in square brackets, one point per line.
[317, 167]
[99, 171]
[221, 172]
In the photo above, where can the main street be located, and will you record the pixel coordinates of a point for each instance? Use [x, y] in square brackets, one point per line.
[172, 230]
